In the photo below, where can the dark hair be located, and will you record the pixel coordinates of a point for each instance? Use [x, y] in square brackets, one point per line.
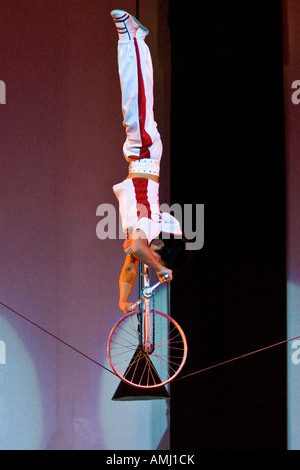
[173, 253]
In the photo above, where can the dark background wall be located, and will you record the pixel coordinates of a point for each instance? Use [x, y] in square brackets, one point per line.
[291, 15]
[227, 151]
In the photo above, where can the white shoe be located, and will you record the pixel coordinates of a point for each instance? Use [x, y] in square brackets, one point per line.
[127, 26]
[142, 31]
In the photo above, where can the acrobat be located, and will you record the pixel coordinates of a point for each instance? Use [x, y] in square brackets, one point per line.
[138, 195]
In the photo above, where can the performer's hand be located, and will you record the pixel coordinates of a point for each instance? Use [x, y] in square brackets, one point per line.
[124, 306]
[165, 275]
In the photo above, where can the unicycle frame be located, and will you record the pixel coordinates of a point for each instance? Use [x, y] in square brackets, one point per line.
[146, 292]
[146, 348]
[146, 343]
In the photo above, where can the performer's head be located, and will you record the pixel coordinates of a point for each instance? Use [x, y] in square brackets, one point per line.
[169, 251]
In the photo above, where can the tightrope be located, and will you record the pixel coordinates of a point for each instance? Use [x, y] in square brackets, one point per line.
[178, 378]
[56, 337]
[238, 357]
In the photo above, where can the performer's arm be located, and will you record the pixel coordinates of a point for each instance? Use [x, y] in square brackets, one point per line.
[140, 249]
[141, 252]
[126, 281]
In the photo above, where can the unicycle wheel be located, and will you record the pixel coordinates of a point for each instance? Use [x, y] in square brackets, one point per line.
[137, 368]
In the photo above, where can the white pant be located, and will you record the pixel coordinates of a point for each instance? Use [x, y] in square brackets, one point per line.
[138, 197]
[136, 79]
[139, 208]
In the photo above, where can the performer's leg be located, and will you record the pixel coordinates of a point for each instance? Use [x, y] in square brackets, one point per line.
[136, 79]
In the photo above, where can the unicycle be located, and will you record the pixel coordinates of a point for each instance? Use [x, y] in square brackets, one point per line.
[146, 348]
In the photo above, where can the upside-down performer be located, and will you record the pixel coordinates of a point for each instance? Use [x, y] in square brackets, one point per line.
[138, 194]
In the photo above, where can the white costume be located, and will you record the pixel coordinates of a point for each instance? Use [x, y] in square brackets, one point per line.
[139, 197]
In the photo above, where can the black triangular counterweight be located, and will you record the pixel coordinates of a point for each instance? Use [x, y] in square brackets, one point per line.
[136, 369]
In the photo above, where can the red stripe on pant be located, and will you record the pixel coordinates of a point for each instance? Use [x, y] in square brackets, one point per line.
[145, 138]
[141, 194]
